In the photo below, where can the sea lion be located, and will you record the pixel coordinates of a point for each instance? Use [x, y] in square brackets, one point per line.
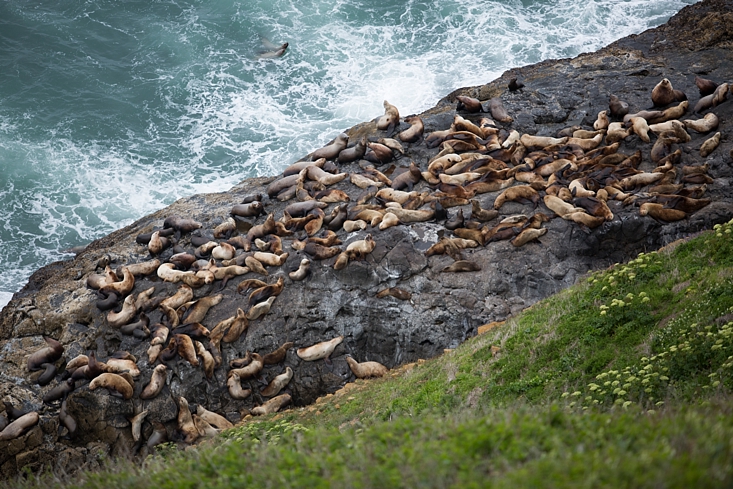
[469, 104]
[225, 229]
[59, 391]
[320, 252]
[270, 259]
[186, 349]
[48, 354]
[530, 141]
[77, 362]
[278, 355]
[118, 366]
[156, 384]
[616, 132]
[263, 293]
[559, 206]
[67, 420]
[412, 134]
[582, 217]
[353, 153]
[159, 435]
[181, 224]
[365, 370]
[498, 112]
[515, 85]
[123, 287]
[353, 226]
[672, 113]
[364, 182]
[167, 273]
[142, 268]
[601, 122]
[640, 127]
[617, 107]
[663, 94]
[302, 270]
[97, 281]
[659, 212]
[136, 423]
[450, 246]
[278, 383]
[200, 307]
[255, 265]
[390, 120]
[331, 150]
[527, 235]
[19, 426]
[272, 50]
[706, 124]
[519, 193]
[114, 383]
[208, 360]
[186, 426]
[249, 371]
[395, 292]
[260, 309]
[706, 87]
[709, 145]
[272, 406]
[234, 385]
[407, 179]
[462, 266]
[128, 311]
[409, 216]
[214, 419]
[332, 195]
[319, 350]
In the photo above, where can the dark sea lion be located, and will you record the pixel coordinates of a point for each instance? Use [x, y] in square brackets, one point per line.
[331, 150]
[462, 266]
[48, 354]
[278, 383]
[278, 355]
[263, 293]
[61, 390]
[705, 86]
[469, 104]
[353, 153]
[253, 209]
[455, 222]
[498, 112]
[515, 85]
[181, 224]
[618, 107]
[48, 375]
[144, 238]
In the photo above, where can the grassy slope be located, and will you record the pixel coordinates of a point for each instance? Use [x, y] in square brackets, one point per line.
[621, 381]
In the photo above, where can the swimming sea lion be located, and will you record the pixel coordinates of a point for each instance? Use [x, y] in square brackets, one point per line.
[273, 51]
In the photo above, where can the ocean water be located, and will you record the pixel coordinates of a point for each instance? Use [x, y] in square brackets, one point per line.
[111, 110]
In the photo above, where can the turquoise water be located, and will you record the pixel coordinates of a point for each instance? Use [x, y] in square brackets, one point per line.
[111, 110]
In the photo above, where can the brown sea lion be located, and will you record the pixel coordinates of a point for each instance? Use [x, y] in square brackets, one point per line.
[460, 266]
[659, 212]
[663, 94]
[353, 153]
[278, 355]
[332, 150]
[498, 112]
[395, 292]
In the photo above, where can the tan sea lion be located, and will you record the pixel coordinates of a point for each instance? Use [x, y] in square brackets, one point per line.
[214, 419]
[136, 424]
[143, 268]
[390, 119]
[412, 134]
[498, 112]
[365, 370]
[584, 218]
[450, 245]
[640, 127]
[186, 349]
[114, 383]
[530, 141]
[602, 121]
[249, 371]
[272, 406]
[302, 270]
[469, 104]
[235, 327]
[278, 383]
[709, 145]
[119, 365]
[706, 124]
[234, 384]
[395, 292]
[209, 363]
[156, 384]
[527, 235]
[658, 211]
[186, 426]
[128, 311]
[518, 193]
[319, 350]
[260, 309]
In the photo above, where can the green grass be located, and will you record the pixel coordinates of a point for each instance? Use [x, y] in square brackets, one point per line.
[623, 380]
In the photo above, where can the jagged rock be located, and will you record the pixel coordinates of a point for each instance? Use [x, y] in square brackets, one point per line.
[443, 308]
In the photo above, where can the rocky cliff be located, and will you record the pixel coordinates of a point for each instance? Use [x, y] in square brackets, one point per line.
[392, 300]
